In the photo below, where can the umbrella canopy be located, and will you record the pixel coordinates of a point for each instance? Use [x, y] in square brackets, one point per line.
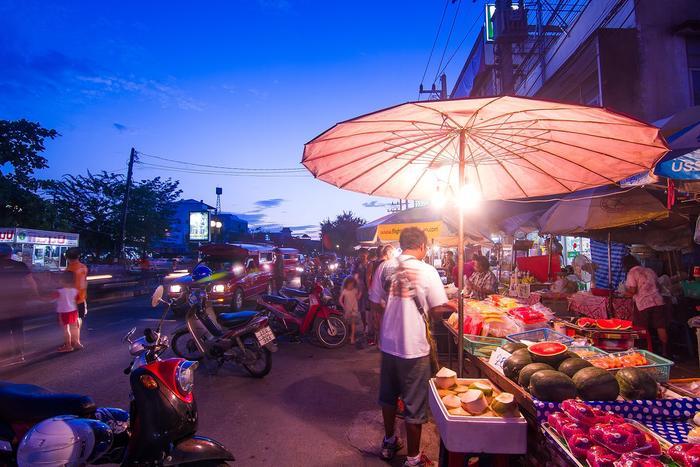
[601, 208]
[510, 148]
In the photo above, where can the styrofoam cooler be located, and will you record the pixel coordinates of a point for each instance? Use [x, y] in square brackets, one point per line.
[476, 434]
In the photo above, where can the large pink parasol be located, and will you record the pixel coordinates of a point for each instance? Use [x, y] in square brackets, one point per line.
[498, 147]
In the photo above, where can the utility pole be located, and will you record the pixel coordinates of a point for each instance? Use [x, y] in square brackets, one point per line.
[441, 93]
[510, 26]
[125, 204]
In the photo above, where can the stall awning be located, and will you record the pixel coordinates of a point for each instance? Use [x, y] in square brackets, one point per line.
[681, 164]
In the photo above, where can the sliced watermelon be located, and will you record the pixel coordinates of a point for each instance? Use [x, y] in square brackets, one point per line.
[608, 323]
[550, 352]
[585, 322]
[622, 323]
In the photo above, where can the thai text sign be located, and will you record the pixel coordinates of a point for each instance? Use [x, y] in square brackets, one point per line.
[391, 232]
[39, 237]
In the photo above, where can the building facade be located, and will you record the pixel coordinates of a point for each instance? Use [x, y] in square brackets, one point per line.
[640, 57]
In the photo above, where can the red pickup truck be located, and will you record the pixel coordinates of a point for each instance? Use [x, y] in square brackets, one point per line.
[240, 272]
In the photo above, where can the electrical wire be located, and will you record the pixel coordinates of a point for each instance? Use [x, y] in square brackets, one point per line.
[437, 35]
[461, 43]
[241, 169]
[449, 36]
[147, 165]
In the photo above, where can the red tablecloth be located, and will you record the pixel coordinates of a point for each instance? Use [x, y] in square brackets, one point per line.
[586, 304]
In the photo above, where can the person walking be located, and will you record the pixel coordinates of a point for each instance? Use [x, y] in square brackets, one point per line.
[80, 273]
[411, 292]
[360, 274]
[376, 306]
[348, 300]
[278, 274]
[18, 287]
[67, 308]
[642, 285]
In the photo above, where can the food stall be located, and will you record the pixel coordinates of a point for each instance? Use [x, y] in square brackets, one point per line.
[41, 250]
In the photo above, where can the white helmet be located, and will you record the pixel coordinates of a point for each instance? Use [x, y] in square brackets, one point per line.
[64, 441]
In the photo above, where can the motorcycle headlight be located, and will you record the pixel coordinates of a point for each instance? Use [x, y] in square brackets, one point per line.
[185, 376]
[218, 288]
[175, 288]
[299, 269]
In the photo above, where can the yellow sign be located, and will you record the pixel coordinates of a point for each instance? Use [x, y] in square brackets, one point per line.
[391, 232]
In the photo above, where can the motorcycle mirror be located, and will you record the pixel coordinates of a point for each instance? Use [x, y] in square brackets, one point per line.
[127, 338]
[157, 296]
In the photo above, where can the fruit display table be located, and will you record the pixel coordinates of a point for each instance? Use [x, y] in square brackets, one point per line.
[586, 304]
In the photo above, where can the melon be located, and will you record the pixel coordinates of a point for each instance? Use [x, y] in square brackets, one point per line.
[474, 402]
[636, 384]
[571, 366]
[596, 384]
[550, 352]
[451, 402]
[503, 404]
[486, 388]
[446, 392]
[552, 386]
[608, 324]
[460, 388]
[511, 347]
[458, 411]
[515, 363]
[445, 378]
[529, 370]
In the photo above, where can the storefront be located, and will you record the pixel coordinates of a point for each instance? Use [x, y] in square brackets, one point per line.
[39, 249]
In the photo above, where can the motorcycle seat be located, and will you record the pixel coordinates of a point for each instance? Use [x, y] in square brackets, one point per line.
[288, 303]
[238, 318]
[294, 292]
[30, 403]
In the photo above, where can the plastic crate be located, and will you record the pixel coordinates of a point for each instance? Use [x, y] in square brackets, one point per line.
[591, 348]
[658, 367]
[479, 345]
[540, 335]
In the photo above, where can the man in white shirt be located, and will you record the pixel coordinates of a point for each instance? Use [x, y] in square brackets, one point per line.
[401, 283]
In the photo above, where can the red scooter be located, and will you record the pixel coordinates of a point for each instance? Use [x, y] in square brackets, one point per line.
[292, 316]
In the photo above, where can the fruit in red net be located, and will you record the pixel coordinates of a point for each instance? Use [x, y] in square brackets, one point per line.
[598, 456]
[580, 412]
[635, 459]
[579, 443]
[650, 446]
[685, 454]
[571, 428]
[557, 420]
[613, 437]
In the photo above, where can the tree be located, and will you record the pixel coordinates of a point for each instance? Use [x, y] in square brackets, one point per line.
[91, 205]
[21, 143]
[342, 231]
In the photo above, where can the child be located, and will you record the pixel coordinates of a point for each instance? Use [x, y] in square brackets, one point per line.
[349, 297]
[67, 309]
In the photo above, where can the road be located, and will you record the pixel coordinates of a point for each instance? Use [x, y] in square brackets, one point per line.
[317, 407]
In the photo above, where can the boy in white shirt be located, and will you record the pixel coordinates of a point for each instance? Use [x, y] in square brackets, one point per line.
[67, 308]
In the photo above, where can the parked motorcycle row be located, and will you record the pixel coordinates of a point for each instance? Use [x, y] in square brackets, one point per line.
[39, 427]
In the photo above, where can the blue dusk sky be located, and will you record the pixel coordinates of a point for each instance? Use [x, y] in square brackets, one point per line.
[241, 83]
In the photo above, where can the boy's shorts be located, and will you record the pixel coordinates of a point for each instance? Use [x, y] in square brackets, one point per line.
[407, 378]
[70, 317]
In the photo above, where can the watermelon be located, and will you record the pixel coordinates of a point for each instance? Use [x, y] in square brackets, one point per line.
[636, 384]
[608, 324]
[571, 366]
[552, 386]
[516, 362]
[550, 352]
[585, 322]
[528, 371]
[622, 323]
[596, 384]
[511, 347]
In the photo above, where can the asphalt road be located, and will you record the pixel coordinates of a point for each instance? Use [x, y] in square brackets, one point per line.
[317, 407]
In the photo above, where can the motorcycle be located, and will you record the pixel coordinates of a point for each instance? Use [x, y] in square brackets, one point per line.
[296, 317]
[158, 430]
[242, 337]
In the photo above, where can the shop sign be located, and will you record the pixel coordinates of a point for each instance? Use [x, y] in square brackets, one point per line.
[488, 14]
[7, 235]
[199, 226]
[680, 165]
[45, 237]
[572, 254]
[498, 358]
[391, 232]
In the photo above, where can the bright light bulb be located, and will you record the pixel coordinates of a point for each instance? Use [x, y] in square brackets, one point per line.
[470, 197]
[436, 248]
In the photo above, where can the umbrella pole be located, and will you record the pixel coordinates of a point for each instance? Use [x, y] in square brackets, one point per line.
[460, 258]
[610, 283]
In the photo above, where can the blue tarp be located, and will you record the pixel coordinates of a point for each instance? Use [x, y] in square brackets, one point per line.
[682, 164]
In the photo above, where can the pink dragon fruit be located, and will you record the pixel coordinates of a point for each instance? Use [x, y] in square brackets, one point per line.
[686, 454]
[635, 459]
[579, 443]
[580, 412]
[568, 429]
[598, 456]
[613, 437]
[557, 420]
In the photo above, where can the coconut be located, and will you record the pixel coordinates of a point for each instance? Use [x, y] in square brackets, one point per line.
[487, 389]
[445, 378]
[458, 411]
[503, 404]
[474, 402]
[460, 388]
[451, 402]
[446, 392]
[696, 419]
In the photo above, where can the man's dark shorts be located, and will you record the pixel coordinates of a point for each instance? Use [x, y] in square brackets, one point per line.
[656, 317]
[81, 310]
[407, 378]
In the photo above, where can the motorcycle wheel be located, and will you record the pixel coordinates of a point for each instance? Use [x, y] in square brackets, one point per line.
[183, 346]
[262, 366]
[330, 332]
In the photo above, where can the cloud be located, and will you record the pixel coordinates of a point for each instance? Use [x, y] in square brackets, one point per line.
[374, 204]
[120, 128]
[168, 95]
[251, 217]
[305, 227]
[268, 203]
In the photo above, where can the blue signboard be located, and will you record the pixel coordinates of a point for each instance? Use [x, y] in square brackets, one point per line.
[683, 164]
